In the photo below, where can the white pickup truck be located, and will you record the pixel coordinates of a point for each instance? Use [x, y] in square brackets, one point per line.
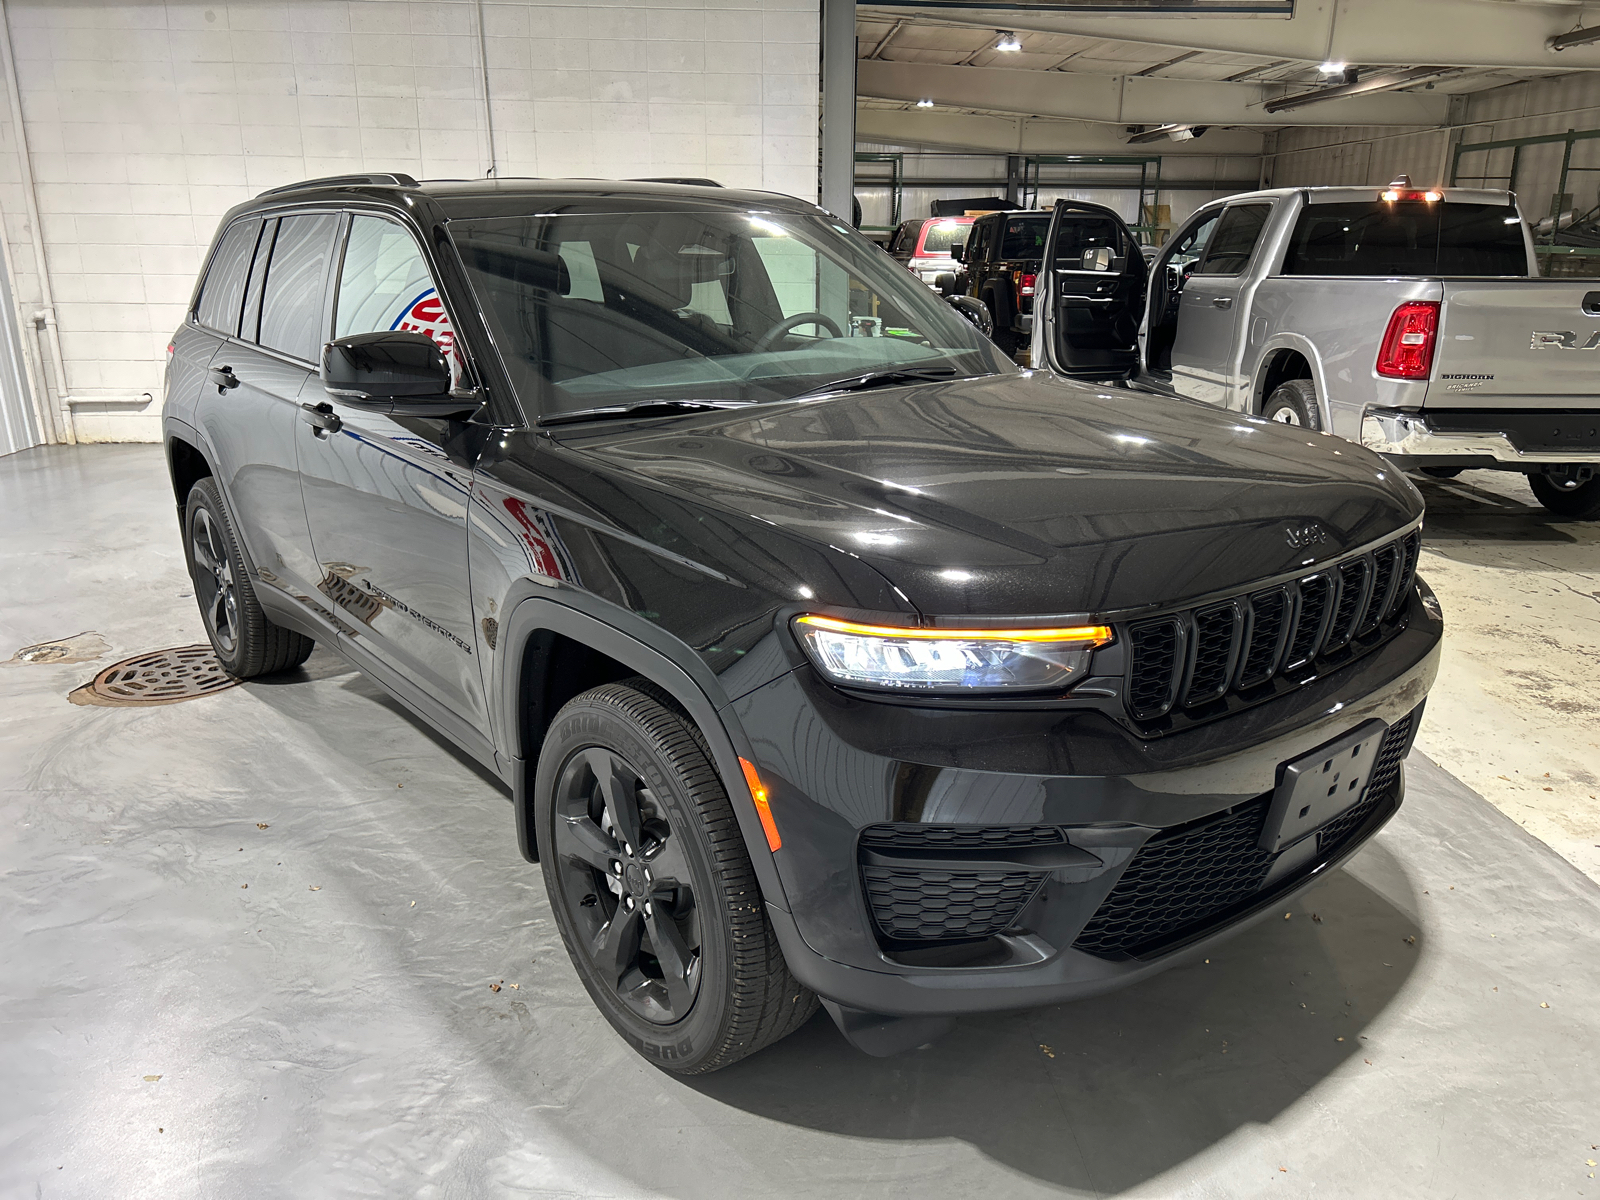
[1410, 320]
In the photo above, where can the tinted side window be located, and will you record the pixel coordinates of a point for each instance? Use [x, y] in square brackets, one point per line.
[1230, 247]
[291, 303]
[1023, 237]
[385, 284]
[223, 291]
[1078, 233]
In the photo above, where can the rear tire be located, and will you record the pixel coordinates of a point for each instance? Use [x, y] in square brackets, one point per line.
[675, 948]
[246, 642]
[1580, 500]
[1294, 403]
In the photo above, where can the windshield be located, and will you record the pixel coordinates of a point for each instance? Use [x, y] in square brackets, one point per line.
[596, 310]
[1407, 237]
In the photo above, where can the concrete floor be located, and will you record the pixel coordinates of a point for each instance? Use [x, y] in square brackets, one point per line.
[329, 1029]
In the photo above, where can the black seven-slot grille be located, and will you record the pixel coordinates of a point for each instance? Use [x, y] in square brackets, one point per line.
[1185, 879]
[1184, 661]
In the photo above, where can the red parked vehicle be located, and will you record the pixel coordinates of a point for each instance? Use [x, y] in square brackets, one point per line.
[923, 245]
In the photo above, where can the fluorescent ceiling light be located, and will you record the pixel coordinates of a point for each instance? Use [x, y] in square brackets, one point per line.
[924, 103]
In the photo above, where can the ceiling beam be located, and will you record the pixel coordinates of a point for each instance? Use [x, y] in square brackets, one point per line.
[1386, 82]
[1130, 100]
[1374, 33]
[1032, 135]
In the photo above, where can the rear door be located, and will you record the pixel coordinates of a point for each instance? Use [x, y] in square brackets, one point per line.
[1211, 308]
[248, 405]
[1090, 294]
[387, 497]
[1525, 343]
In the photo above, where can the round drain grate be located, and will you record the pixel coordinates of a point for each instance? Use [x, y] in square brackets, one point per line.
[159, 677]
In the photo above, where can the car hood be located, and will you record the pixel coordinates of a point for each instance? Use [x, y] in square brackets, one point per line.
[1027, 495]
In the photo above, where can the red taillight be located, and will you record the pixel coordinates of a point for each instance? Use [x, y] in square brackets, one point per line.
[1023, 283]
[1407, 350]
[1027, 284]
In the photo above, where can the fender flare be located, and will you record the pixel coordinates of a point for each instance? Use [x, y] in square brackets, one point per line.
[1307, 351]
[702, 699]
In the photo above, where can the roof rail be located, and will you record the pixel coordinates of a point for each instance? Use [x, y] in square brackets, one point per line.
[392, 179]
[687, 180]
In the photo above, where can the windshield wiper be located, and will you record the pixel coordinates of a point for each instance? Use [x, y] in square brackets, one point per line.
[885, 378]
[639, 408]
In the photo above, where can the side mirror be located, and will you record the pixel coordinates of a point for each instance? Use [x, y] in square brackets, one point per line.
[1098, 258]
[385, 366]
[958, 251]
[975, 311]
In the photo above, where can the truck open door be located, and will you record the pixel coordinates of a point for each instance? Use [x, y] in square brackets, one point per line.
[1091, 296]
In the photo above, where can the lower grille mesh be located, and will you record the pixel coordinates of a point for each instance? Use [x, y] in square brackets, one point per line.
[1184, 878]
[921, 905]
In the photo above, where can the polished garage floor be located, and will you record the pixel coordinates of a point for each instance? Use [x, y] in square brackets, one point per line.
[248, 943]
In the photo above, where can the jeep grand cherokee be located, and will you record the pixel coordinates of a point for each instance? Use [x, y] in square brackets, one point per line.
[826, 655]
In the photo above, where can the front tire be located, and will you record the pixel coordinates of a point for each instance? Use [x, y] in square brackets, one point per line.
[245, 640]
[1294, 402]
[652, 888]
[1580, 501]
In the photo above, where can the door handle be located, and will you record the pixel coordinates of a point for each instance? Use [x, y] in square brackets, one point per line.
[321, 418]
[1222, 302]
[224, 378]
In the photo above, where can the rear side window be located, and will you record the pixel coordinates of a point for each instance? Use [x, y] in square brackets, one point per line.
[291, 303]
[1228, 252]
[1407, 237]
[941, 235]
[1023, 237]
[223, 292]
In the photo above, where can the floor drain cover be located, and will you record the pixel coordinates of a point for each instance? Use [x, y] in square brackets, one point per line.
[160, 677]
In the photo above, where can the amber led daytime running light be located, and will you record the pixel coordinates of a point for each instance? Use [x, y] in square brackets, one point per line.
[1097, 634]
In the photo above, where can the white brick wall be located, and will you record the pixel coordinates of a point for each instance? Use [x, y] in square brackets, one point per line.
[146, 121]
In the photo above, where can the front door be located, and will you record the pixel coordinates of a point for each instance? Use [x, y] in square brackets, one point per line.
[387, 497]
[1092, 286]
[1212, 308]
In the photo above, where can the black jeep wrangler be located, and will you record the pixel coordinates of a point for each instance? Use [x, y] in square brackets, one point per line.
[825, 655]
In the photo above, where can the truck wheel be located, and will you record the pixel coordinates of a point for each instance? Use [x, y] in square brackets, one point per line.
[1294, 403]
[652, 887]
[1567, 499]
[246, 642]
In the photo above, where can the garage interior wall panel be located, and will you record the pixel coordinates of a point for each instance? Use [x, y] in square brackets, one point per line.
[1363, 156]
[147, 121]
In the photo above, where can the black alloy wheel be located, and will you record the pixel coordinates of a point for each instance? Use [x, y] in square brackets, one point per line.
[628, 884]
[246, 641]
[652, 887]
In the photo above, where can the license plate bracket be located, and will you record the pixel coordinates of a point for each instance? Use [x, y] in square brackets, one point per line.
[1317, 787]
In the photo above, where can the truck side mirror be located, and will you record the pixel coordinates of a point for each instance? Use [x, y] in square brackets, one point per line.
[958, 251]
[975, 311]
[1098, 258]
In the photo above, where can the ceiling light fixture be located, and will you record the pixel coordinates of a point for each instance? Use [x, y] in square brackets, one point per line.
[1578, 37]
[1332, 68]
[1008, 43]
[924, 103]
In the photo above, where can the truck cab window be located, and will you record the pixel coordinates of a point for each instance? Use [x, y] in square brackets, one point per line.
[1229, 248]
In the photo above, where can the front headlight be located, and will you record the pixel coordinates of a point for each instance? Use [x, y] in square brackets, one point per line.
[949, 660]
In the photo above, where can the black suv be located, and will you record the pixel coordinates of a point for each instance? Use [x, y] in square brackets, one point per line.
[824, 653]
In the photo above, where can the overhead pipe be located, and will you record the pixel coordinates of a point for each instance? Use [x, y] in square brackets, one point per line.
[1386, 82]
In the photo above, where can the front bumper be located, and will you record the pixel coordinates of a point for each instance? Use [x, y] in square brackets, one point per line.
[836, 766]
[1408, 438]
